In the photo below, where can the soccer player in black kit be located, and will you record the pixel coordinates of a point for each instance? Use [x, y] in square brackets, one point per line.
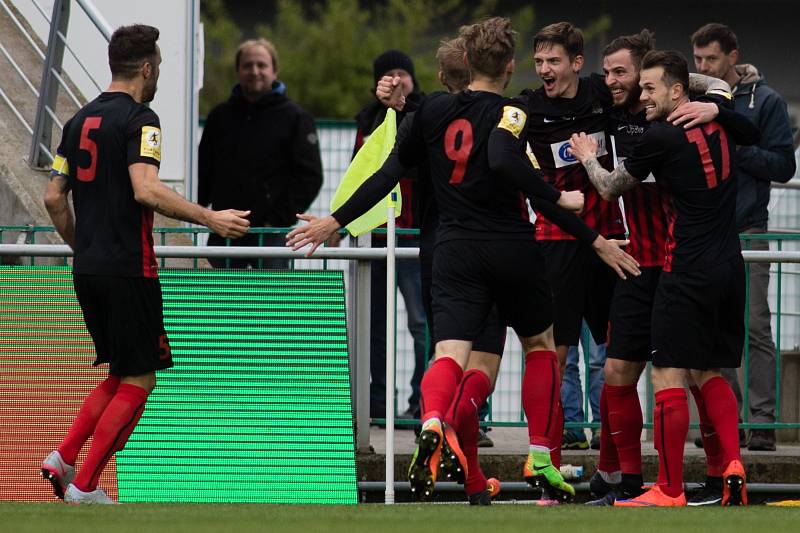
[697, 322]
[108, 159]
[484, 361]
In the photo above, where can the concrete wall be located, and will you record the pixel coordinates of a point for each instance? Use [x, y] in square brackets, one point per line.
[176, 96]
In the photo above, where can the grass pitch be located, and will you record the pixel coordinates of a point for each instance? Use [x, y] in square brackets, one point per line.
[376, 518]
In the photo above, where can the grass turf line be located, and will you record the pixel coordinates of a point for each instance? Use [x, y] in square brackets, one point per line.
[201, 518]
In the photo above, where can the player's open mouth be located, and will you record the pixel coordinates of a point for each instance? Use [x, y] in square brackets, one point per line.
[548, 83]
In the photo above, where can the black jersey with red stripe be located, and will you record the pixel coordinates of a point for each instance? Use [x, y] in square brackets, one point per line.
[113, 232]
[453, 131]
[693, 169]
[647, 223]
[551, 122]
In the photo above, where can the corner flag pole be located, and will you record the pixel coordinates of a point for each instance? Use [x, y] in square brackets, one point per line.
[390, 347]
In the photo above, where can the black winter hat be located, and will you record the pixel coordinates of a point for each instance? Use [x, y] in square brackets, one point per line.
[389, 60]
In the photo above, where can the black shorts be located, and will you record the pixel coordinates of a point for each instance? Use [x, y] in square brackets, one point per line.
[630, 317]
[125, 318]
[492, 336]
[582, 288]
[470, 277]
[698, 318]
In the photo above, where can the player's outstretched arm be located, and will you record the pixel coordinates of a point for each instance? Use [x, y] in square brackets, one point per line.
[316, 231]
[611, 253]
[610, 185]
[148, 190]
[56, 200]
[510, 164]
[609, 250]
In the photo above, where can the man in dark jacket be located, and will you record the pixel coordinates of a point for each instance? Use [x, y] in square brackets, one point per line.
[715, 49]
[259, 152]
[395, 63]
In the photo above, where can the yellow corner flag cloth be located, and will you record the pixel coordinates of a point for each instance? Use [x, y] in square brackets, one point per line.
[367, 161]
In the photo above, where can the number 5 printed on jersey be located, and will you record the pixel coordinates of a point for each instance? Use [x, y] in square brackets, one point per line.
[457, 146]
[89, 124]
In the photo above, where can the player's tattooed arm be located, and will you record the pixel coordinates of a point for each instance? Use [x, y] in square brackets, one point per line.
[56, 200]
[610, 185]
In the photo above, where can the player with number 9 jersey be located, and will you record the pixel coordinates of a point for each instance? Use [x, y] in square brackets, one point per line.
[113, 232]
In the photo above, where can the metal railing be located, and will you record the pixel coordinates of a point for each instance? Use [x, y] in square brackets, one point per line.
[41, 130]
[359, 256]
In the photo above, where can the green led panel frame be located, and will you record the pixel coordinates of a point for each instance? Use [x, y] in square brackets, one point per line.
[257, 407]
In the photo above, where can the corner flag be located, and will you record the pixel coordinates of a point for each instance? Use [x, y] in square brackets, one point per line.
[366, 162]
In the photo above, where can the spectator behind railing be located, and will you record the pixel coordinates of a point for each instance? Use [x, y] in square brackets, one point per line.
[716, 53]
[259, 151]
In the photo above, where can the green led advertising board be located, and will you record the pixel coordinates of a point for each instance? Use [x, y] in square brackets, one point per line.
[256, 409]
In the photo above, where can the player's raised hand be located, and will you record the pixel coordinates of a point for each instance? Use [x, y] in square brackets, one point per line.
[229, 223]
[571, 200]
[582, 146]
[611, 253]
[315, 232]
[691, 114]
[390, 92]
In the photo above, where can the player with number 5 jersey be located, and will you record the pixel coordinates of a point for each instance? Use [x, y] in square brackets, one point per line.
[108, 160]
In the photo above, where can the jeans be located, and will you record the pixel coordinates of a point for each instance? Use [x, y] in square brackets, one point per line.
[408, 282]
[571, 389]
[762, 361]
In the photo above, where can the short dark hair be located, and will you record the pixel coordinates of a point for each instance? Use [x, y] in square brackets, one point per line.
[637, 44]
[490, 45]
[714, 31]
[676, 69]
[563, 33]
[129, 48]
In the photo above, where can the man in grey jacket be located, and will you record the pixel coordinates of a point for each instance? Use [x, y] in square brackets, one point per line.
[716, 53]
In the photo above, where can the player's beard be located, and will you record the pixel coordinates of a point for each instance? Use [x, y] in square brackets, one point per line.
[149, 90]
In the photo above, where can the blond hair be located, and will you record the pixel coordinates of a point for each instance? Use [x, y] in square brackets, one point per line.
[490, 45]
[455, 73]
[268, 46]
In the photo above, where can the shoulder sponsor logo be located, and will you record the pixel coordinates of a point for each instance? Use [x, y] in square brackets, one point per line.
[60, 165]
[563, 158]
[151, 143]
[513, 120]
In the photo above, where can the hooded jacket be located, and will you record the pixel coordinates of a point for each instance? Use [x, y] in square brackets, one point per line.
[262, 156]
[772, 159]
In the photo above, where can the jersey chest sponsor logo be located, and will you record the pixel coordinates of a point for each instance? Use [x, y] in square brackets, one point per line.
[630, 129]
[563, 158]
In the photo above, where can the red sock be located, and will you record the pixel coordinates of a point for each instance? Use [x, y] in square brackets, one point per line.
[111, 433]
[715, 463]
[609, 459]
[541, 389]
[625, 426]
[438, 387]
[723, 413]
[671, 425]
[472, 392]
[83, 426]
